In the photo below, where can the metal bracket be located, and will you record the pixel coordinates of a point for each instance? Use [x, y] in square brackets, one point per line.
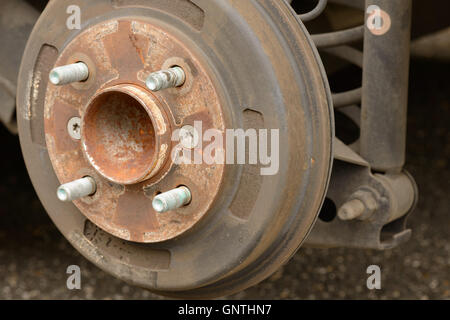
[385, 228]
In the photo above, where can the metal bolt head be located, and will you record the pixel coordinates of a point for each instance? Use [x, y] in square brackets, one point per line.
[74, 128]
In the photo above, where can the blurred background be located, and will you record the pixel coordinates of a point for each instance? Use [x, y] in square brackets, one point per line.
[34, 255]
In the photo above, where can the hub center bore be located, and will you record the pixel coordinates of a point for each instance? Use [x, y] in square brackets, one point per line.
[125, 134]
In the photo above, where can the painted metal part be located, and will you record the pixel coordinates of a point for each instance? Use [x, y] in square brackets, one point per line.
[381, 204]
[372, 207]
[385, 89]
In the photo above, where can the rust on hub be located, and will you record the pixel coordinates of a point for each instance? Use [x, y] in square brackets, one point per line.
[125, 134]
[126, 131]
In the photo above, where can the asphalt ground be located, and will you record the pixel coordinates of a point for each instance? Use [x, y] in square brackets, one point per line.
[34, 255]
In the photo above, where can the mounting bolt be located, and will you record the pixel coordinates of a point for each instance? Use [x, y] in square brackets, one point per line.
[77, 189]
[361, 205]
[351, 210]
[164, 79]
[74, 128]
[70, 73]
[172, 200]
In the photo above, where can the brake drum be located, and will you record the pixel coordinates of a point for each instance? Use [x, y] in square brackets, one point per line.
[248, 65]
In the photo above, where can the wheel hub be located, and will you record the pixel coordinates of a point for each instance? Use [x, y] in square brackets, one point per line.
[126, 130]
[248, 65]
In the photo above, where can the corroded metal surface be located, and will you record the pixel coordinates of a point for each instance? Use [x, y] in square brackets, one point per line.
[256, 222]
[125, 134]
[126, 130]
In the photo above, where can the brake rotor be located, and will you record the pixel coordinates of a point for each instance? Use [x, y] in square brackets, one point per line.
[248, 65]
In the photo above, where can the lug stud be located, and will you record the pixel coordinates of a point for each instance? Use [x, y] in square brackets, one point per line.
[70, 73]
[76, 189]
[164, 79]
[172, 200]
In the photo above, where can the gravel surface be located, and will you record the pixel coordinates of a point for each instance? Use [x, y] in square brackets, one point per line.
[34, 256]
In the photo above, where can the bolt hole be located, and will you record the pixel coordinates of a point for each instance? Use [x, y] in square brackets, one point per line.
[328, 212]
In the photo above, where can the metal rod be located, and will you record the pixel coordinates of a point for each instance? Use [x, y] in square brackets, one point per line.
[385, 88]
[347, 53]
[347, 98]
[337, 38]
[314, 13]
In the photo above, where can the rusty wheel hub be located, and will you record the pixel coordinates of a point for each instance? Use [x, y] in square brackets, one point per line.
[246, 65]
[126, 129]
[125, 134]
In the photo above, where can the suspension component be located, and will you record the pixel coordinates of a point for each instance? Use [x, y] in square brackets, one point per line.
[361, 205]
[70, 73]
[385, 96]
